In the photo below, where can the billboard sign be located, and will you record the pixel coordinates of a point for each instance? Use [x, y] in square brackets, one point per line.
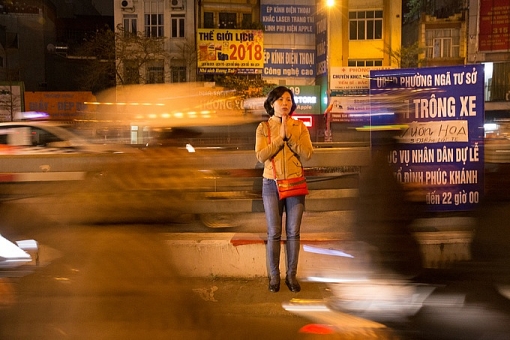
[349, 93]
[288, 19]
[230, 51]
[65, 105]
[289, 63]
[351, 78]
[494, 25]
[350, 109]
[441, 149]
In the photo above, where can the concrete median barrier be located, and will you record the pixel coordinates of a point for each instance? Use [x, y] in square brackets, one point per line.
[243, 254]
[234, 254]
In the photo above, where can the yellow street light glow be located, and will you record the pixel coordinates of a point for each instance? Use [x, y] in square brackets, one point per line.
[165, 115]
[153, 116]
[192, 113]
[330, 3]
[124, 103]
[178, 115]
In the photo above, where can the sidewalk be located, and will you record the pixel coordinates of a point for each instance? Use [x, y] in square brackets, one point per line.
[250, 299]
[251, 296]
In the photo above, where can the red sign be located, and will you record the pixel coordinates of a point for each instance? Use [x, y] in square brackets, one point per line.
[494, 25]
[307, 120]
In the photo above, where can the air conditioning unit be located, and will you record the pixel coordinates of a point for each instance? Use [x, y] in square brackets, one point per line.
[176, 3]
[125, 4]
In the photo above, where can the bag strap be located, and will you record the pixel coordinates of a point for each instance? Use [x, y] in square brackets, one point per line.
[269, 139]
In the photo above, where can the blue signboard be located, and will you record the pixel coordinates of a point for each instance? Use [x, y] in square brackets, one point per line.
[441, 151]
[321, 40]
[288, 19]
[289, 63]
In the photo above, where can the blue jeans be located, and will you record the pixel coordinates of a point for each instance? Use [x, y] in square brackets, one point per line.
[274, 208]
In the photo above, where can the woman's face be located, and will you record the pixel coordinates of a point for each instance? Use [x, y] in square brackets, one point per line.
[283, 105]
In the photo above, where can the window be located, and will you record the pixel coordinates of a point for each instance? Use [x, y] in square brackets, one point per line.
[442, 43]
[27, 136]
[42, 137]
[365, 25]
[208, 20]
[246, 20]
[178, 74]
[499, 87]
[154, 18]
[228, 20]
[130, 24]
[131, 75]
[364, 63]
[178, 25]
[156, 72]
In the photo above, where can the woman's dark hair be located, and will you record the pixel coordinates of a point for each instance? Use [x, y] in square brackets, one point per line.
[276, 93]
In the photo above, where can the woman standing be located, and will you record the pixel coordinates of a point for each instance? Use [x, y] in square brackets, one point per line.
[285, 141]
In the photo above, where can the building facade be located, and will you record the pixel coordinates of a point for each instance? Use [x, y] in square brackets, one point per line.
[25, 32]
[228, 39]
[365, 33]
[443, 39]
[488, 42]
[172, 21]
[358, 36]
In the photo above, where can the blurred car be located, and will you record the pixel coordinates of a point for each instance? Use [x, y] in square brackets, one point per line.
[45, 136]
[172, 137]
[16, 254]
[255, 106]
[224, 137]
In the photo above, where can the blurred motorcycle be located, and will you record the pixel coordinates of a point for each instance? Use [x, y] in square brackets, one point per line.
[365, 301]
[359, 296]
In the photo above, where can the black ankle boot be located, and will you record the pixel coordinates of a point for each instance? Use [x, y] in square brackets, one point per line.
[274, 285]
[292, 247]
[273, 261]
[293, 284]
